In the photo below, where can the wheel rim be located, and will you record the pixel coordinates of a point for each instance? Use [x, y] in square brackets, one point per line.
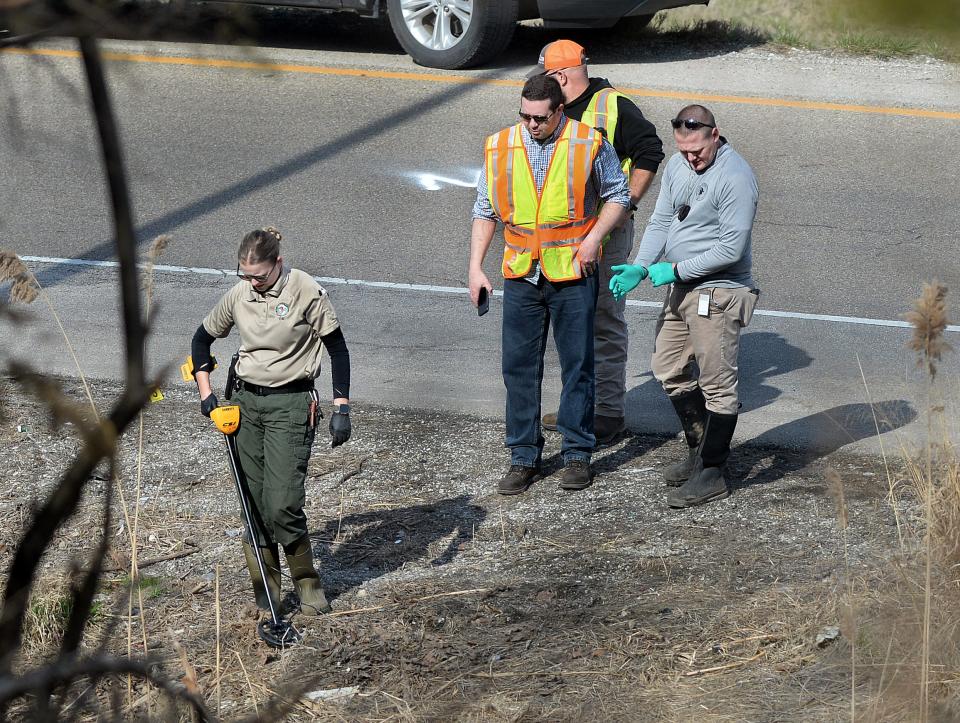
[437, 24]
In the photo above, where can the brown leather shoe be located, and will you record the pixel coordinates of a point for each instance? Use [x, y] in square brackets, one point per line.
[549, 422]
[517, 479]
[577, 475]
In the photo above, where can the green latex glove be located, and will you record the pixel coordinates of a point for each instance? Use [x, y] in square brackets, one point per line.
[626, 278]
[662, 273]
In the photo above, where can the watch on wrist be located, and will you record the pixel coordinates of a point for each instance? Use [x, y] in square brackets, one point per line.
[341, 409]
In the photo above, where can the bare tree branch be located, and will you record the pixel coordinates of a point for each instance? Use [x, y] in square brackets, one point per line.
[67, 670]
[100, 440]
[83, 595]
[133, 324]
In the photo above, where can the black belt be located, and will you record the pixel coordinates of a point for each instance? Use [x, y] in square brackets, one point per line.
[301, 385]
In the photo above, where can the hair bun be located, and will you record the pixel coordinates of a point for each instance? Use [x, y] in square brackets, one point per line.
[271, 230]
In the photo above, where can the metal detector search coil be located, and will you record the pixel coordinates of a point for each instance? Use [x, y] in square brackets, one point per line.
[226, 418]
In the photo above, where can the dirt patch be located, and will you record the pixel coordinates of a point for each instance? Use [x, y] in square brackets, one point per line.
[453, 603]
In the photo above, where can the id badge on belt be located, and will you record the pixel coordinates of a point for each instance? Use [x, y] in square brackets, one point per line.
[703, 305]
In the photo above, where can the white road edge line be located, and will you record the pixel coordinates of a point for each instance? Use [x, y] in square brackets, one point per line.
[397, 286]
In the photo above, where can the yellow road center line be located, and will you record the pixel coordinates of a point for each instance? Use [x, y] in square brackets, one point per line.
[438, 78]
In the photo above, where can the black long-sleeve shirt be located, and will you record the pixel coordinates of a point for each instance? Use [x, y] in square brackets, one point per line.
[635, 137]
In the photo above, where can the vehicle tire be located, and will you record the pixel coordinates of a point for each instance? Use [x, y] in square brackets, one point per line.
[470, 32]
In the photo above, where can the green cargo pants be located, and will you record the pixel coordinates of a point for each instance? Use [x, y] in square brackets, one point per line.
[274, 442]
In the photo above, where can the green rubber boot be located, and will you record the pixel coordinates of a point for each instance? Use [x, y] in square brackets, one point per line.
[305, 577]
[271, 561]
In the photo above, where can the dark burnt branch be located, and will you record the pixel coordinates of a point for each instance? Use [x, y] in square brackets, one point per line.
[133, 324]
[61, 504]
[85, 591]
[66, 671]
[100, 441]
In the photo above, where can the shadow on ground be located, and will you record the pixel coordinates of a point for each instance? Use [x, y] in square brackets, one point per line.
[364, 546]
[816, 436]
[763, 355]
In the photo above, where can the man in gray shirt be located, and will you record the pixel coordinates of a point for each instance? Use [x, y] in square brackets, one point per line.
[698, 241]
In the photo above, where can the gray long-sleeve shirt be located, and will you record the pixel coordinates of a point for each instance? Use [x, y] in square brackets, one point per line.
[712, 245]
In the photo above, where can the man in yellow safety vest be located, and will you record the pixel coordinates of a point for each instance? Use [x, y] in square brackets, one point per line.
[595, 102]
[544, 179]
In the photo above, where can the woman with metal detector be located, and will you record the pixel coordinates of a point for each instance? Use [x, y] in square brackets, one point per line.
[283, 317]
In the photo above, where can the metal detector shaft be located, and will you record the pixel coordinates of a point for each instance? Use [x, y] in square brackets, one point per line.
[280, 632]
[232, 454]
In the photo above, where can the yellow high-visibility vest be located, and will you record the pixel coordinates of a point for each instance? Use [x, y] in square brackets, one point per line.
[603, 112]
[550, 225]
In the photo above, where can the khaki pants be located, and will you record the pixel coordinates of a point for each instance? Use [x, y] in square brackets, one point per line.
[685, 336]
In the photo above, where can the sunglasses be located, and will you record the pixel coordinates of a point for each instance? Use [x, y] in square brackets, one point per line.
[259, 278]
[683, 211]
[540, 119]
[689, 123]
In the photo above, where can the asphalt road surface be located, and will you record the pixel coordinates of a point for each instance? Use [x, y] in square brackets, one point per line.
[366, 163]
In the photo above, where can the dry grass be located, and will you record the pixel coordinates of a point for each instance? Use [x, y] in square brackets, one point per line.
[677, 637]
[24, 289]
[883, 28]
[909, 624]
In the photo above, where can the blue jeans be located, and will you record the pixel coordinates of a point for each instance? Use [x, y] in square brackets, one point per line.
[528, 311]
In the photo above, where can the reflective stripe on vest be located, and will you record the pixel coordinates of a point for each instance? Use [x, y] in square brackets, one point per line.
[603, 111]
[549, 225]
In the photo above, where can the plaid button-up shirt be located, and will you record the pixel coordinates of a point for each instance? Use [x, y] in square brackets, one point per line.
[607, 180]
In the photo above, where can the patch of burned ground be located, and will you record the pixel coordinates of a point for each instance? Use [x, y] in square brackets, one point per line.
[453, 603]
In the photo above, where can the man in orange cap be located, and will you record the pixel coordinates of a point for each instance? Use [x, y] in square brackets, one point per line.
[595, 102]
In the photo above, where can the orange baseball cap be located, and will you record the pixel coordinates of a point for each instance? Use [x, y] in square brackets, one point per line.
[558, 55]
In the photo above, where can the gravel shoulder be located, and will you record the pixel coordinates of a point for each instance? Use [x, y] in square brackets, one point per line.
[452, 603]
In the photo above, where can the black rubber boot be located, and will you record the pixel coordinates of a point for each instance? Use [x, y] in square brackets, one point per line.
[708, 483]
[692, 412]
[271, 561]
[305, 577]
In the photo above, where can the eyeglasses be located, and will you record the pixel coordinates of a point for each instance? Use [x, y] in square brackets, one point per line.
[540, 119]
[259, 278]
[689, 123]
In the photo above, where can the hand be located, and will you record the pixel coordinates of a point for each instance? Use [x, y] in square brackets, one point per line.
[662, 273]
[587, 257]
[627, 277]
[476, 280]
[340, 428]
[208, 404]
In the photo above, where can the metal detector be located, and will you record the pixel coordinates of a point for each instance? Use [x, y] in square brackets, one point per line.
[275, 632]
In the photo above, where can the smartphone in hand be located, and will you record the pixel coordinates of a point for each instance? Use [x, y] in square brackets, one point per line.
[483, 301]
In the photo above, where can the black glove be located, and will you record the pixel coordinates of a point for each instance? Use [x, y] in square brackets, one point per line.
[340, 425]
[208, 405]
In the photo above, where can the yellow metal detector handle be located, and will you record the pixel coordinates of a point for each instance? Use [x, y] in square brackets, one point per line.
[226, 418]
[187, 370]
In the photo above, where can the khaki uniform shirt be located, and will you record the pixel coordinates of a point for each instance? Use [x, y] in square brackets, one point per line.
[279, 331]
